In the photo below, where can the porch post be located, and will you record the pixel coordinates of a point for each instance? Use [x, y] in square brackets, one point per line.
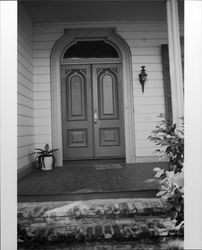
[8, 124]
[175, 60]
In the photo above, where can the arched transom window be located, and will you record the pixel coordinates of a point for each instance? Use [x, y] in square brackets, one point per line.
[91, 49]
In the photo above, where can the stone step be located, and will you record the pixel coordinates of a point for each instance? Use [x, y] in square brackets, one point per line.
[95, 220]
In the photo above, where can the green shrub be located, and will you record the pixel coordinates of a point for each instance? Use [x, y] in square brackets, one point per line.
[172, 192]
[170, 141]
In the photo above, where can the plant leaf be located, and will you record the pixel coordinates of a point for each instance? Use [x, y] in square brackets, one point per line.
[159, 173]
[161, 193]
[156, 169]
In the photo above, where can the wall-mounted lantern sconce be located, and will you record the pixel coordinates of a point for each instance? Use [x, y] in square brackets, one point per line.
[142, 77]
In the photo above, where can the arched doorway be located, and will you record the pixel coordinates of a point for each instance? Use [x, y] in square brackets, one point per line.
[73, 121]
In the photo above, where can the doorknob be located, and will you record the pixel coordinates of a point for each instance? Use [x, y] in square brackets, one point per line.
[95, 117]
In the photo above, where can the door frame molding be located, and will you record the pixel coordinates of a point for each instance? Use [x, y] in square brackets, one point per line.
[110, 35]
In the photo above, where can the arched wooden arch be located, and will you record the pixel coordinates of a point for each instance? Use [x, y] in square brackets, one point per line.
[69, 37]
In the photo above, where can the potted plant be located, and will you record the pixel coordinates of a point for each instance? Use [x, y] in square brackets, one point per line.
[44, 157]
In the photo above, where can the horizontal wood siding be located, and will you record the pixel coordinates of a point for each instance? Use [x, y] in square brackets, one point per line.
[25, 90]
[144, 40]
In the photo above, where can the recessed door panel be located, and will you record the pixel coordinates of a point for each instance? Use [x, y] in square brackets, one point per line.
[77, 96]
[107, 87]
[77, 138]
[75, 85]
[109, 137]
[107, 95]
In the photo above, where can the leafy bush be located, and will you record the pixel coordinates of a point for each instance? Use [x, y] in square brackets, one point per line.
[172, 192]
[170, 141]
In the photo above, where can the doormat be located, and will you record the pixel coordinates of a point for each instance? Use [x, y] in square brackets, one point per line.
[110, 221]
[108, 166]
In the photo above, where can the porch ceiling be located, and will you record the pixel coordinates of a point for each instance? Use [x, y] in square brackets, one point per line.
[97, 10]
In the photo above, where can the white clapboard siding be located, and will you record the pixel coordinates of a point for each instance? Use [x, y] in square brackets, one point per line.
[145, 59]
[25, 120]
[43, 138]
[23, 51]
[143, 135]
[149, 84]
[41, 62]
[22, 99]
[42, 113]
[41, 53]
[151, 75]
[146, 42]
[25, 130]
[149, 109]
[25, 151]
[41, 87]
[41, 70]
[24, 80]
[42, 78]
[25, 140]
[142, 101]
[43, 45]
[24, 110]
[144, 143]
[24, 68]
[131, 35]
[25, 90]
[154, 51]
[24, 37]
[141, 126]
[46, 130]
[24, 161]
[142, 152]
[153, 117]
[42, 104]
[154, 67]
[42, 121]
[42, 96]
[43, 28]
[144, 39]
[154, 92]
[24, 60]
[41, 145]
[46, 37]
[23, 45]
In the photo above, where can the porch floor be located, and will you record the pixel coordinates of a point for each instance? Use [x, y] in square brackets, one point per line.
[90, 181]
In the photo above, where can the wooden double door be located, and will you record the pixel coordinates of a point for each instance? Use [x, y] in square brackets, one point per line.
[92, 111]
